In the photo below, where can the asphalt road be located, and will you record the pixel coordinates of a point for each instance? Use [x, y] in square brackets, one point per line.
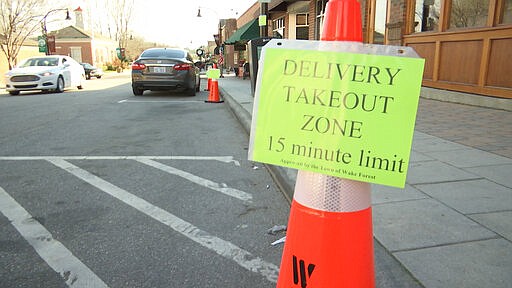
[100, 188]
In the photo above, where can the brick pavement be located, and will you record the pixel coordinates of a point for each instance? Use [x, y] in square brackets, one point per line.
[486, 129]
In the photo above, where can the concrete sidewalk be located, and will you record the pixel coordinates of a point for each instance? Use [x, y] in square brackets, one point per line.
[452, 224]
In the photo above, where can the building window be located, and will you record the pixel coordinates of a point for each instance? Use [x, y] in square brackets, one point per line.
[278, 28]
[380, 20]
[76, 53]
[319, 17]
[302, 27]
[459, 14]
[472, 13]
[426, 15]
[302, 20]
[506, 16]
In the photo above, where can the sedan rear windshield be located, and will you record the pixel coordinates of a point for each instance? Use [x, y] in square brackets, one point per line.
[163, 53]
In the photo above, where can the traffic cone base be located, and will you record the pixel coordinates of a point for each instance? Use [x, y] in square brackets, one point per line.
[214, 97]
[344, 260]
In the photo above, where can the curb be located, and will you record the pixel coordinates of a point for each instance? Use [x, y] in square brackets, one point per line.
[283, 177]
[466, 98]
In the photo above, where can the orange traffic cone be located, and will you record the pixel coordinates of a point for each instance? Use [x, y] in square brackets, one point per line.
[329, 240]
[342, 21]
[213, 97]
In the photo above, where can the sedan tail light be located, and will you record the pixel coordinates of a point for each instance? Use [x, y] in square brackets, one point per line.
[138, 66]
[183, 66]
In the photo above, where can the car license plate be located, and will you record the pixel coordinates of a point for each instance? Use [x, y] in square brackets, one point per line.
[159, 69]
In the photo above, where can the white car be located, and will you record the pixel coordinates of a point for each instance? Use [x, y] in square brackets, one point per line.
[45, 73]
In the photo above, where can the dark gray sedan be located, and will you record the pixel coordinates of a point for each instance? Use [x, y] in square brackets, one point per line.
[165, 69]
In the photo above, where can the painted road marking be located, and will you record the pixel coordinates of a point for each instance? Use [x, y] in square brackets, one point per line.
[198, 180]
[148, 160]
[225, 159]
[58, 257]
[219, 246]
[159, 101]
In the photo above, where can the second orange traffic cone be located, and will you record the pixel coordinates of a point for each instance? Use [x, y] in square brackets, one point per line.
[329, 240]
[214, 66]
[214, 97]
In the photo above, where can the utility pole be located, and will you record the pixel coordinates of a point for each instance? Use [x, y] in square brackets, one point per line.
[263, 18]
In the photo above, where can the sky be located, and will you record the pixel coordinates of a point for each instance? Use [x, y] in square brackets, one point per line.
[175, 22]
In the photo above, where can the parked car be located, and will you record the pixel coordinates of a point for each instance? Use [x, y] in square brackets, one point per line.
[165, 69]
[45, 73]
[92, 71]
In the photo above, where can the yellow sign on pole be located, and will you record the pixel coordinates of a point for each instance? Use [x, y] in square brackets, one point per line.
[348, 114]
[262, 20]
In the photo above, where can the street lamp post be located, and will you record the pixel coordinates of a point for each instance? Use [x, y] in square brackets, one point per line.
[217, 17]
[43, 26]
[218, 38]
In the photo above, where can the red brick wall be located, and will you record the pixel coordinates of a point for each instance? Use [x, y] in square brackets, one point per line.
[228, 29]
[396, 24]
[65, 49]
[249, 15]
[311, 19]
[365, 16]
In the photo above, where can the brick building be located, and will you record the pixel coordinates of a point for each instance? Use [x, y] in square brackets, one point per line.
[84, 47]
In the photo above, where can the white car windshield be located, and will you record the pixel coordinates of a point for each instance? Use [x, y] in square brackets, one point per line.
[40, 62]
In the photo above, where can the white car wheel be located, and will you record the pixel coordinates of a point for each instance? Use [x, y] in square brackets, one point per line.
[60, 85]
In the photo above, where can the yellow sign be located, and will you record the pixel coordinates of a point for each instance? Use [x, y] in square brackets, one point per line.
[344, 114]
[213, 73]
[262, 20]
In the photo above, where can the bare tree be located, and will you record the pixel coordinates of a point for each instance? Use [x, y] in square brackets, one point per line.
[137, 44]
[121, 13]
[19, 19]
[97, 16]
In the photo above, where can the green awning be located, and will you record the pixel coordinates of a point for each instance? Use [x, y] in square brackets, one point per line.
[249, 31]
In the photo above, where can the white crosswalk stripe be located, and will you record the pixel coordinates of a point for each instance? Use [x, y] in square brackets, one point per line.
[241, 195]
[71, 269]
